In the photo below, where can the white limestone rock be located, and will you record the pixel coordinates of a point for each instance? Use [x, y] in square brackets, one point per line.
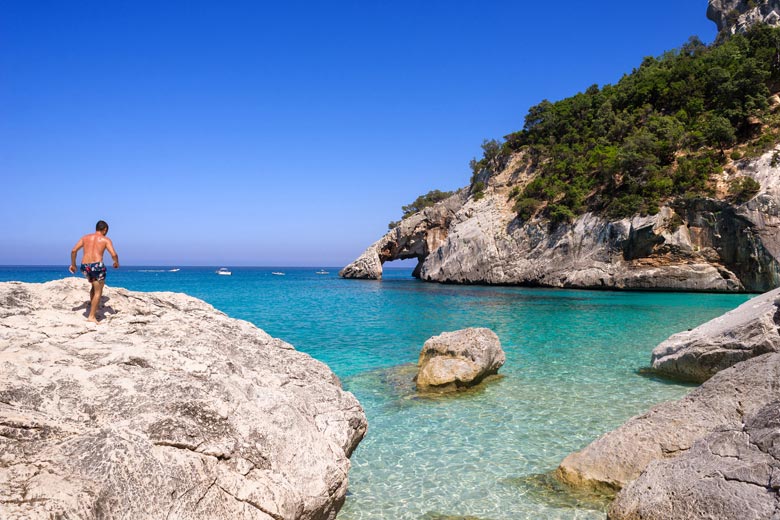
[414, 237]
[731, 474]
[166, 409]
[669, 429]
[736, 16]
[749, 330]
[459, 359]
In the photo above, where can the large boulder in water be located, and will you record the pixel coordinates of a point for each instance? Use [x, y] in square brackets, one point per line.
[167, 409]
[669, 429]
[731, 474]
[459, 359]
[748, 331]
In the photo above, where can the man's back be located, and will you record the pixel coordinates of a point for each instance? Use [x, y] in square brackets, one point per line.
[94, 246]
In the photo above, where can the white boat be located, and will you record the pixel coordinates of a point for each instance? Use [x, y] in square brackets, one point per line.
[322, 271]
[224, 271]
[278, 273]
[174, 270]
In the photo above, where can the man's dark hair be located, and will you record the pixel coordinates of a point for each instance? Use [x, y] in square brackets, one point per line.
[101, 225]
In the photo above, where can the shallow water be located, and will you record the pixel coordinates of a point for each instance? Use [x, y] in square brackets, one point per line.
[572, 373]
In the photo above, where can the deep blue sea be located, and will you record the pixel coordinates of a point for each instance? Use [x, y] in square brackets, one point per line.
[573, 371]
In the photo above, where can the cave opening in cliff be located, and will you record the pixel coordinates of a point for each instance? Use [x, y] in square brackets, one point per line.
[403, 264]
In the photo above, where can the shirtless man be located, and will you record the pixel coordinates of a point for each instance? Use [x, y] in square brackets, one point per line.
[92, 263]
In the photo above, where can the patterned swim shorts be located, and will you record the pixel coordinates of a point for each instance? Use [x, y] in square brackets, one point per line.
[95, 271]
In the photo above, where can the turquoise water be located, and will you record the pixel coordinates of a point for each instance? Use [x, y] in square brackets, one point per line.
[573, 371]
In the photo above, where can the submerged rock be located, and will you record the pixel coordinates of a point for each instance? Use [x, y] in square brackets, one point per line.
[459, 359]
[670, 429]
[748, 331]
[731, 474]
[167, 409]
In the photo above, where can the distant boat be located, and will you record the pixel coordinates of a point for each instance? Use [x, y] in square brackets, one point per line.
[278, 273]
[224, 271]
[174, 270]
[322, 271]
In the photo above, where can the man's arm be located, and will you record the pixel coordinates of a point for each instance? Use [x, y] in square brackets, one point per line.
[73, 253]
[114, 256]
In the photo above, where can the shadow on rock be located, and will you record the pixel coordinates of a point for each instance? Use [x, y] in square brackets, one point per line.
[464, 392]
[102, 311]
[106, 310]
[653, 375]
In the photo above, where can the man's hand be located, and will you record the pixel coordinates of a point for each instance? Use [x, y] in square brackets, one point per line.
[73, 253]
[116, 264]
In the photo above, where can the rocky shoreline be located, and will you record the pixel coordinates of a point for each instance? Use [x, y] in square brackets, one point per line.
[168, 408]
[713, 452]
[171, 407]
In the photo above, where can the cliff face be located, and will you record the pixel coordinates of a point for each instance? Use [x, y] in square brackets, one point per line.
[415, 237]
[700, 244]
[167, 409]
[735, 16]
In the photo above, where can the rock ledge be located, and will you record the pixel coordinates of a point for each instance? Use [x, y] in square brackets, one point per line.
[748, 331]
[167, 409]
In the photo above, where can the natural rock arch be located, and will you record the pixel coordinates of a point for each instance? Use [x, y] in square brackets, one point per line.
[415, 237]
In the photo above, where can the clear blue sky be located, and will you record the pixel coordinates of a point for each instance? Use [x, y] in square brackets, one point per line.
[278, 133]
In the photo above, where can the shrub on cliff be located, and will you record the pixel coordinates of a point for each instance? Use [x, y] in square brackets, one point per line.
[420, 203]
[526, 207]
[493, 159]
[743, 189]
[478, 190]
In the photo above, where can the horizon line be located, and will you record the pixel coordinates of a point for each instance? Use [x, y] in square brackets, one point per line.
[182, 266]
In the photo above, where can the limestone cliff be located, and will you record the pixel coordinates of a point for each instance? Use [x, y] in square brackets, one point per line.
[167, 409]
[734, 16]
[699, 244]
[415, 237]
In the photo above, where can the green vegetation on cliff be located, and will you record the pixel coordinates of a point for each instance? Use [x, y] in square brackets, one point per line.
[661, 131]
[420, 203]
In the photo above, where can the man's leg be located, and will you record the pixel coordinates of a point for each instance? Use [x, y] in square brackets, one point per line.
[95, 293]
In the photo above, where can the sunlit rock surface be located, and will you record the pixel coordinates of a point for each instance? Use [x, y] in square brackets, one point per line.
[167, 409]
[748, 331]
[670, 429]
[734, 16]
[731, 474]
[459, 359]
